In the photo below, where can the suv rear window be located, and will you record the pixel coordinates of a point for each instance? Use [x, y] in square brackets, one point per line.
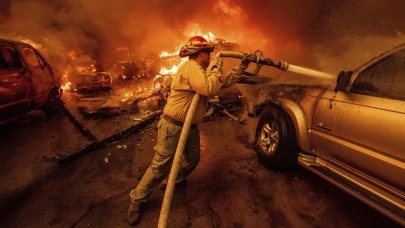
[9, 58]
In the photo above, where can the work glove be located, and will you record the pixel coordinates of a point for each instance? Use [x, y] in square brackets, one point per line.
[244, 62]
[215, 62]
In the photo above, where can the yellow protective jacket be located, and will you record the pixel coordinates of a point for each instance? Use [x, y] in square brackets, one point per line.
[191, 78]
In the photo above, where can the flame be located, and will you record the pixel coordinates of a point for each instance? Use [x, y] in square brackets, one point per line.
[166, 54]
[127, 96]
[87, 68]
[210, 37]
[66, 84]
[28, 41]
[165, 71]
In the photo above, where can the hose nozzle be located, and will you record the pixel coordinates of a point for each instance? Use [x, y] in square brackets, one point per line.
[282, 65]
[257, 58]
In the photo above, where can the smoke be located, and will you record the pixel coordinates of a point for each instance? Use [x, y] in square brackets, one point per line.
[355, 31]
[323, 35]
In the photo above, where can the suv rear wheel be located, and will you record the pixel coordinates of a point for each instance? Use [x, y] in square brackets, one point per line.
[276, 143]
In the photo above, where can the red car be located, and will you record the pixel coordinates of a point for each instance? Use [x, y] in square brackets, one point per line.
[27, 81]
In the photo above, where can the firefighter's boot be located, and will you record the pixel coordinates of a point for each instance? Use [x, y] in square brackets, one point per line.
[133, 212]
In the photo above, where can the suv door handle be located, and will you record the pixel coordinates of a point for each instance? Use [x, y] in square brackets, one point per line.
[320, 125]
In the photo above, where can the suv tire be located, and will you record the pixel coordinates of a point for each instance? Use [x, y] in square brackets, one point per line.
[276, 143]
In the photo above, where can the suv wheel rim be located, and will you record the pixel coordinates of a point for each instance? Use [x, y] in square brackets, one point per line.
[269, 137]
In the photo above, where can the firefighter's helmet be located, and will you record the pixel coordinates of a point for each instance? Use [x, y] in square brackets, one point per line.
[194, 45]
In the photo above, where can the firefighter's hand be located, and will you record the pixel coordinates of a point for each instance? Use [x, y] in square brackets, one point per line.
[244, 62]
[215, 62]
[218, 62]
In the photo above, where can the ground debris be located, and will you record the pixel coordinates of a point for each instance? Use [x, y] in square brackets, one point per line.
[77, 123]
[231, 105]
[99, 113]
[144, 115]
[236, 119]
[50, 159]
[115, 137]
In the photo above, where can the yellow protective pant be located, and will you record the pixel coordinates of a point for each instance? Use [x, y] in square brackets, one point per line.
[159, 169]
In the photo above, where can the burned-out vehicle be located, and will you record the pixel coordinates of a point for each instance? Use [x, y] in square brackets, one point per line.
[89, 78]
[27, 81]
[352, 135]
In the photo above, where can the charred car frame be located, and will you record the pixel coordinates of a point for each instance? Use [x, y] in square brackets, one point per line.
[88, 78]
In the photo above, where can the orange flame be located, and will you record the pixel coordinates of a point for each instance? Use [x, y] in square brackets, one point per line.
[30, 42]
[67, 85]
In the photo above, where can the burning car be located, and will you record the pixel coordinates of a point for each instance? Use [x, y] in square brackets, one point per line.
[352, 135]
[87, 78]
[27, 81]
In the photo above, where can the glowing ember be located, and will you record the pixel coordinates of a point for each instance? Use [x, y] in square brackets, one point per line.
[129, 94]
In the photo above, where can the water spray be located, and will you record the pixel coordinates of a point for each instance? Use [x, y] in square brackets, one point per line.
[309, 72]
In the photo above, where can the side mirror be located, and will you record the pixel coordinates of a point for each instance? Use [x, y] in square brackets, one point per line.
[343, 80]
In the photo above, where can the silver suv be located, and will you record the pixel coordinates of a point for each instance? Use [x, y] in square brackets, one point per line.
[352, 135]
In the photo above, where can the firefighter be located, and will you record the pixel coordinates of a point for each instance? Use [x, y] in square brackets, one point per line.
[190, 78]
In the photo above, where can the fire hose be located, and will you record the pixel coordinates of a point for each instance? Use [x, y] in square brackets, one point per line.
[256, 58]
